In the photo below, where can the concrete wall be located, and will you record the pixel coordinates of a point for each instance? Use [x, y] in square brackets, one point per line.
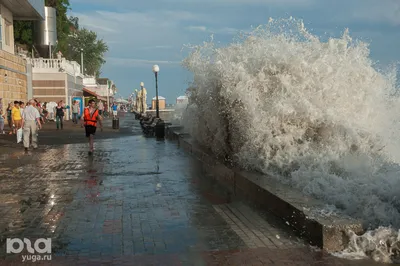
[49, 87]
[75, 86]
[56, 86]
[7, 28]
[13, 80]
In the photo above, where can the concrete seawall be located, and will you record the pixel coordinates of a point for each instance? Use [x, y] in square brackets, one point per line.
[296, 209]
[166, 114]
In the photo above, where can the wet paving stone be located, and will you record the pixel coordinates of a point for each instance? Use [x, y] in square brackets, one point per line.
[137, 201]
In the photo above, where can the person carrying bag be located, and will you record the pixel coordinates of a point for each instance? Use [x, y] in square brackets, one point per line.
[59, 115]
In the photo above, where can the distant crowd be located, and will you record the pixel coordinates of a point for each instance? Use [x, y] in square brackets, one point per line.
[14, 114]
[49, 111]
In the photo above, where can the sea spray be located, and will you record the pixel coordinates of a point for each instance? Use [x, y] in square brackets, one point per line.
[317, 115]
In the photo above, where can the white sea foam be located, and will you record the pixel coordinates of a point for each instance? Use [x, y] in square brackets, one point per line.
[317, 115]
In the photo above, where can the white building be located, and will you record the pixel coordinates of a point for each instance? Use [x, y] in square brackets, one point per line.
[182, 100]
[55, 79]
[161, 103]
[101, 88]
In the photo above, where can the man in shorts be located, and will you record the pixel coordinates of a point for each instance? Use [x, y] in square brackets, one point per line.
[90, 118]
[115, 110]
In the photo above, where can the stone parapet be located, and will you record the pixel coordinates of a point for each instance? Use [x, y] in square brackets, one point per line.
[296, 209]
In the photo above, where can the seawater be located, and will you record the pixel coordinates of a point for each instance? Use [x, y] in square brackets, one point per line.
[318, 115]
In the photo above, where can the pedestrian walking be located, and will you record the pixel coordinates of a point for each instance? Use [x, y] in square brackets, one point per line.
[100, 106]
[9, 119]
[50, 107]
[90, 119]
[31, 124]
[75, 111]
[2, 118]
[16, 116]
[115, 110]
[59, 115]
[44, 113]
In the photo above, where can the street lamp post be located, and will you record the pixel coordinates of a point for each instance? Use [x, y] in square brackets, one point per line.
[82, 61]
[156, 69]
[160, 126]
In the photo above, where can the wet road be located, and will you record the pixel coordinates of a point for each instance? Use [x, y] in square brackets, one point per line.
[137, 201]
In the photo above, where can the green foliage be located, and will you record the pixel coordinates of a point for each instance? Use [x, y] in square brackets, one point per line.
[93, 50]
[74, 22]
[71, 38]
[23, 32]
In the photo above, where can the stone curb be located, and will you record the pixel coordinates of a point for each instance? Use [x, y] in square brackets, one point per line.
[298, 210]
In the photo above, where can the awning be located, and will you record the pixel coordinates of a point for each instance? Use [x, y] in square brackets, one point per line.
[92, 93]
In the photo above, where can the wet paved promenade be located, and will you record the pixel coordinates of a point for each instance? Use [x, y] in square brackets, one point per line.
[137, 201]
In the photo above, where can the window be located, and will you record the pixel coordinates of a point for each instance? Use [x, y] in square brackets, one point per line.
[7, 32]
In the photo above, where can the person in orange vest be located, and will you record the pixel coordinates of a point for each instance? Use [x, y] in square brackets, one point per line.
[90, 119]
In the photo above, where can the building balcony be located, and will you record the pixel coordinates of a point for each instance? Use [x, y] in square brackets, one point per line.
[45, 65]
[90, 81]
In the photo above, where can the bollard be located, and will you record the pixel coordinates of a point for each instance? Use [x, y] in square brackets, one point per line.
[115, 123]
[160, 129]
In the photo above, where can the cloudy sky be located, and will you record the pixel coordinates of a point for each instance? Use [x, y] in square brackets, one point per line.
[143, 33]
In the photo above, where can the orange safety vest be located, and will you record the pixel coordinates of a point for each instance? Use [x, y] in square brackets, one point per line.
[90, 120]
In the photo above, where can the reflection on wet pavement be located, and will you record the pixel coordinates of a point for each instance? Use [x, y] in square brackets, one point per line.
[137, 201]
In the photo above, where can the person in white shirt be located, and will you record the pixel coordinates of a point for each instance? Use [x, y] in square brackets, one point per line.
[100, 107]
[30, 124]
[50, 108]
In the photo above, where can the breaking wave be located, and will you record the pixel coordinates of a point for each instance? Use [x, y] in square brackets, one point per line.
[316, 114]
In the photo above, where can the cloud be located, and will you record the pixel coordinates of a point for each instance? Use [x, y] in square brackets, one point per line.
[117, 22]
[133, 62]
[157, 47]
[131, 31]
[144, 33]
[135, 25]
[246, 2]
[149, 31]
[132, 4]
[97, 27]
[226, 30]
[223, 30]
[360, 11]
[384, 11]
[197, 28]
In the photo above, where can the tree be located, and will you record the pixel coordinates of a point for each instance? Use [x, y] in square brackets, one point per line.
[23, 32]
[74, 21]
[93, 50]
[70, 38]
